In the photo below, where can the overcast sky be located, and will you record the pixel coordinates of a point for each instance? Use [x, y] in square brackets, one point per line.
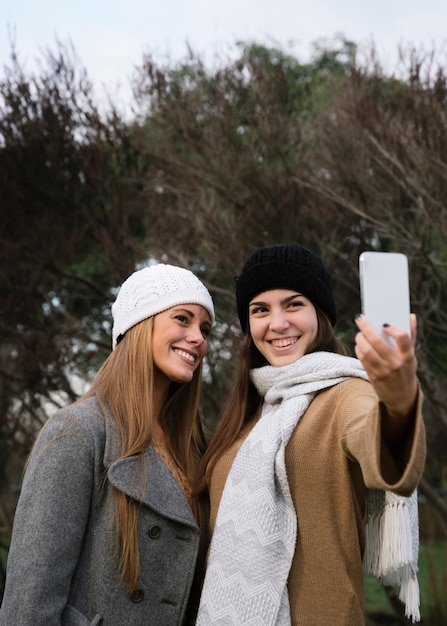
[110, 36]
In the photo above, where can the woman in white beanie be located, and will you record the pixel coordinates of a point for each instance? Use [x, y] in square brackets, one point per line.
[107, 529]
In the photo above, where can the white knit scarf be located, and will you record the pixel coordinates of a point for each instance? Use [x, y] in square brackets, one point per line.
[254, 538]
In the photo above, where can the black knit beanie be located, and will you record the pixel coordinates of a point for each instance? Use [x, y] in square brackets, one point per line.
[284, 266]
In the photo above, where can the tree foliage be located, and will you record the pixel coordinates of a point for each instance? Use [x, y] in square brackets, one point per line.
[332, 153]
[67, 235]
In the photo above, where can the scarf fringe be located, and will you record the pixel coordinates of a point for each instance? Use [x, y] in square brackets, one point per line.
[409, 595]
[389, 553]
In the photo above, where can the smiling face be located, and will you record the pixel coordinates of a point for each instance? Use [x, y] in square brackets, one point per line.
[283, 325]
[179, 343]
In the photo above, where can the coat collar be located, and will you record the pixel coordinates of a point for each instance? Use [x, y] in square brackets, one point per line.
[156, 486]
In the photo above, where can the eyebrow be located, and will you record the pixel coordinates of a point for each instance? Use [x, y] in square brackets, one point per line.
[284, 301]
[190, 313]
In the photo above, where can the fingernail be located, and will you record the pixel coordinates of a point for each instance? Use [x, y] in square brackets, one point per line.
[358, 316]
[385, 325]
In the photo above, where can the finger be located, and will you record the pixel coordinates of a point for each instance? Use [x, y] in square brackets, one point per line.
[403, 340]
[367, 353]
[366, 328]
[414, 327]
[380, 345]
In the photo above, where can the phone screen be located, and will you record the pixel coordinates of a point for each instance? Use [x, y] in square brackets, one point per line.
[384, 289]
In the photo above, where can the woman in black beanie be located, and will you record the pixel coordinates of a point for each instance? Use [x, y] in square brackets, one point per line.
[314, 466]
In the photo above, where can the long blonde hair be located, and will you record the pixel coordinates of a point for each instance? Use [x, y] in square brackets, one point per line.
[124, 388]
[244, 402]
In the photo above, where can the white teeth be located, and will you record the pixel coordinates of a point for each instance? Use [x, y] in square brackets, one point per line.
[186, 355]
[282, 343]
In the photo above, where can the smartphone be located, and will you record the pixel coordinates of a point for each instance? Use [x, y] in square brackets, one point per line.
[385, 290]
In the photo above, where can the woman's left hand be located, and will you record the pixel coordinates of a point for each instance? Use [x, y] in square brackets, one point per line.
[391, 368]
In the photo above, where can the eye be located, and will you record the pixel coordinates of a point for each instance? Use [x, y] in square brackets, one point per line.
[296, 304]
[182, 318]
[258, 309]
[205, 330]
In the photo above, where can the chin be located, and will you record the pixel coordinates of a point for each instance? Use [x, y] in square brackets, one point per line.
[286, 360]
[183, 378]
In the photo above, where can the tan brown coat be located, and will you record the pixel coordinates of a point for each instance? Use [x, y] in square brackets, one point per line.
[334, 455]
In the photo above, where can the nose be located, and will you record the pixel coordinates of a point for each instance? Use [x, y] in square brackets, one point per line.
[195, 335]
[278, 321]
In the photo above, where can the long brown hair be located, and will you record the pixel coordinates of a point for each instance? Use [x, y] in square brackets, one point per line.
[124, 387]
[245, 402]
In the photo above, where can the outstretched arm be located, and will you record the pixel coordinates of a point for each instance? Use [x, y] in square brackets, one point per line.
[392, 372]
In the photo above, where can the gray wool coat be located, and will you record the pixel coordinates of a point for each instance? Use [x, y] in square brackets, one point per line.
[62, 565]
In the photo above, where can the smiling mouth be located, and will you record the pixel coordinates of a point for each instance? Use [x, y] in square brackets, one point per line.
[283, 343]
[186, 355]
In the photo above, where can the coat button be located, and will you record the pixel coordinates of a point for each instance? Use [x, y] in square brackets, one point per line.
[137, 595]
[154, 531]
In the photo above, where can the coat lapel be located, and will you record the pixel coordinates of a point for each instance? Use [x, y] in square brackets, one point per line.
[158, 489]
[156, 486]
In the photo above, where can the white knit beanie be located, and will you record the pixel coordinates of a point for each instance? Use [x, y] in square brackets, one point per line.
[154, 289]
